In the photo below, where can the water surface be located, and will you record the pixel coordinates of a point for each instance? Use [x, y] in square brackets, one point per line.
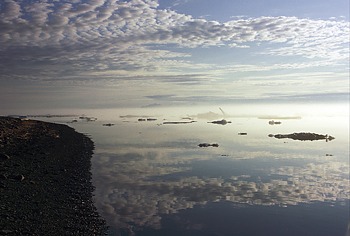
[152, 178]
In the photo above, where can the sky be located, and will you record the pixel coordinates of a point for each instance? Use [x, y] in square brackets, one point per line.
[143, 53]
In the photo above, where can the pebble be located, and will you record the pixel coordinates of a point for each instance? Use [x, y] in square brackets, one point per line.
[6, 231]
[17, 177]
[4, 157]
[3, 176]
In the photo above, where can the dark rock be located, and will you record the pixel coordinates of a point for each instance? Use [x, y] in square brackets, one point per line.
[208, 145]
[108, 124]
[272, 122]
[178, 122]
[304, 136]
[220, 122]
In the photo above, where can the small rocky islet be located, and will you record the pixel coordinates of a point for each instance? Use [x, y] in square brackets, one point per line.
[45, 180]
[303, 136]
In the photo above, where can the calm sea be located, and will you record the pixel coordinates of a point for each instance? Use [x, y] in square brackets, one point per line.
[153, 178]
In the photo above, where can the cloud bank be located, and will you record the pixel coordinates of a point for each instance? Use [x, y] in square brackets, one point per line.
[57, 38]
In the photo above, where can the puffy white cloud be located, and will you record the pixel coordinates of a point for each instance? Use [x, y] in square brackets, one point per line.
[113, 35]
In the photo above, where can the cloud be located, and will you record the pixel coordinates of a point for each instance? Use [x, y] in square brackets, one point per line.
[11, 11]
[180, 2]
[75, 37]
[138, 49]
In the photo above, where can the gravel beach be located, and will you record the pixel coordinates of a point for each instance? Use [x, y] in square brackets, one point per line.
[45, 180]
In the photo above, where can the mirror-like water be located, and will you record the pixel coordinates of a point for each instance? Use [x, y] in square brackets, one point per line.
[152, 178]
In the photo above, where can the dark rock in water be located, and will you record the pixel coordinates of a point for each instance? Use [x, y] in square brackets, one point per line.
[148, 119]
[272, 122]
[108, 124]
[208, 145]
[220, 122]
[242, 134]
[303, 136]
[178, 122]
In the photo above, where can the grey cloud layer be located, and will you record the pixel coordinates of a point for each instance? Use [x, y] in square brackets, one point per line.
[98, 35]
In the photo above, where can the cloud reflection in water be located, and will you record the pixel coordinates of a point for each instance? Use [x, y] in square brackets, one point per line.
[138, 187]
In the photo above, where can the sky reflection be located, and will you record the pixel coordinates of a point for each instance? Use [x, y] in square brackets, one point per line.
[159, 170]
[154, 179]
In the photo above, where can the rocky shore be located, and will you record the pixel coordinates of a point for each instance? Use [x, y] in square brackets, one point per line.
[45, 180]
